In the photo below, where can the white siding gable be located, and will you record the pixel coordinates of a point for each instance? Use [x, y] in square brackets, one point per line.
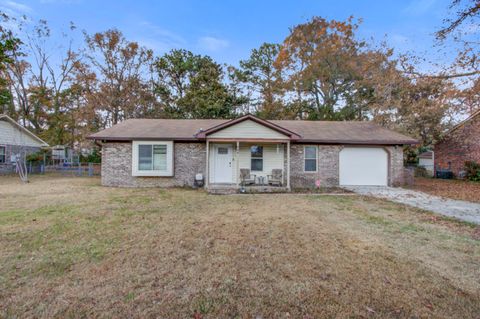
[248, 129]
[11, 135]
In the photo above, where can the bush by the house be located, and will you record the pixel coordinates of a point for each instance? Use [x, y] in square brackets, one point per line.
[421, 171]
[94, 157]
[472, 171]
[36, 157]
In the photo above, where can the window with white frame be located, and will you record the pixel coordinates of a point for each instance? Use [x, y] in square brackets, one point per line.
[256, 161]
[310, 154]
[3, 154]
[152, 158]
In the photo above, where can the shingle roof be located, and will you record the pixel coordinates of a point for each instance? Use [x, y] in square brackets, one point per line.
[426, 155]
[328, 132]
[352, 132]
[468, 119]
[155, 128]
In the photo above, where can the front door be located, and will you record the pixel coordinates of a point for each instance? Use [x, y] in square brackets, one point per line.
[223, 164]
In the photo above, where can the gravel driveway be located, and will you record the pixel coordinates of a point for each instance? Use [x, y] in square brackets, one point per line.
[463, 210]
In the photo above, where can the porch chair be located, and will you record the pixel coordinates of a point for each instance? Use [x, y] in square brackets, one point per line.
[276, 179]
[246, 178]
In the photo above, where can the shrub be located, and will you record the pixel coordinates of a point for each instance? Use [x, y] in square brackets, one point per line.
[472, 171]
[35, 157]
[421, 172]
[94, 157]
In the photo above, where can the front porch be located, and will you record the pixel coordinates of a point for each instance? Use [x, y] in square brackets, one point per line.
[247, 166]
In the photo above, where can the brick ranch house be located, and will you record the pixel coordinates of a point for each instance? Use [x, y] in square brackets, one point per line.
[460, 144]
[229, 153]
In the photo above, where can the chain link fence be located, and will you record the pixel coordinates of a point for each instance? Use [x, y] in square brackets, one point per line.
[66, 169]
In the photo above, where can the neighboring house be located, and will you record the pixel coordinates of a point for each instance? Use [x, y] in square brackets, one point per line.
[426, 160]
[62, 153]
[15, 142]
[460, 144]
[162, 152]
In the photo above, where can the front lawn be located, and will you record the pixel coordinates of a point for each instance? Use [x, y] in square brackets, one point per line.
[71, 248]
[449, 188]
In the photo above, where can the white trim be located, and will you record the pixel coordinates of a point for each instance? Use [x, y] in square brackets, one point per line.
[237, 164]
[4, 153]
[316, 159]
[288, 165]
[167, 172]
[207, 164]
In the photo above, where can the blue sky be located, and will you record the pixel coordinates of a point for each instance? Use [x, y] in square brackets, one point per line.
[228, 30]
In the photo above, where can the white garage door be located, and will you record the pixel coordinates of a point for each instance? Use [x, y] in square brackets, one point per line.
[363, 166]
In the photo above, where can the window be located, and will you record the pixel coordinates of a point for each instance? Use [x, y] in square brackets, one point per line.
[310, 153]
[152, 158]
[3, 155]
[256, 154]
[223, 150]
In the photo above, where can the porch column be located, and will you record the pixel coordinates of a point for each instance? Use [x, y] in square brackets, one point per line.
[288, 165]
[207, 165]
[237, 164]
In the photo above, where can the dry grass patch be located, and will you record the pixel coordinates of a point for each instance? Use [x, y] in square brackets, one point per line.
[76, 249]
[449, 188]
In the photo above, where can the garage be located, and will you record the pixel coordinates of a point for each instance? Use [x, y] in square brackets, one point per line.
[363, 166]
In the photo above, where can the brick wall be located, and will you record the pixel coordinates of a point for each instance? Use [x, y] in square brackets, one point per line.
[461, 145]
[189, 159]
[328, 166]
[327, 170]
[396, 174]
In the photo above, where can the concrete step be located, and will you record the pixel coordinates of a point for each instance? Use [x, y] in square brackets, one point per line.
[222, 191]
[228, 190]
[265, 189]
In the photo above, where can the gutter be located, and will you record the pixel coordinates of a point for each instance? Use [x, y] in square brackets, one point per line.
[294, 141]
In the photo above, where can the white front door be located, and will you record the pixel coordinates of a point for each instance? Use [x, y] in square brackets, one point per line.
[222, 169]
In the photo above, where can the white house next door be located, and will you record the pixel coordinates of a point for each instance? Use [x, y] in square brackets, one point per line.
[222, 168]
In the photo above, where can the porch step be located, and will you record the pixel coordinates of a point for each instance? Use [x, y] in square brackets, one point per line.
[265, 189]
[222, 190]
[228, 190]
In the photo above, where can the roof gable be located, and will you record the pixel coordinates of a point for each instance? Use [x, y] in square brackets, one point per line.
[248, 129]
[15, 134]
[248, 126]
[467, 120]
